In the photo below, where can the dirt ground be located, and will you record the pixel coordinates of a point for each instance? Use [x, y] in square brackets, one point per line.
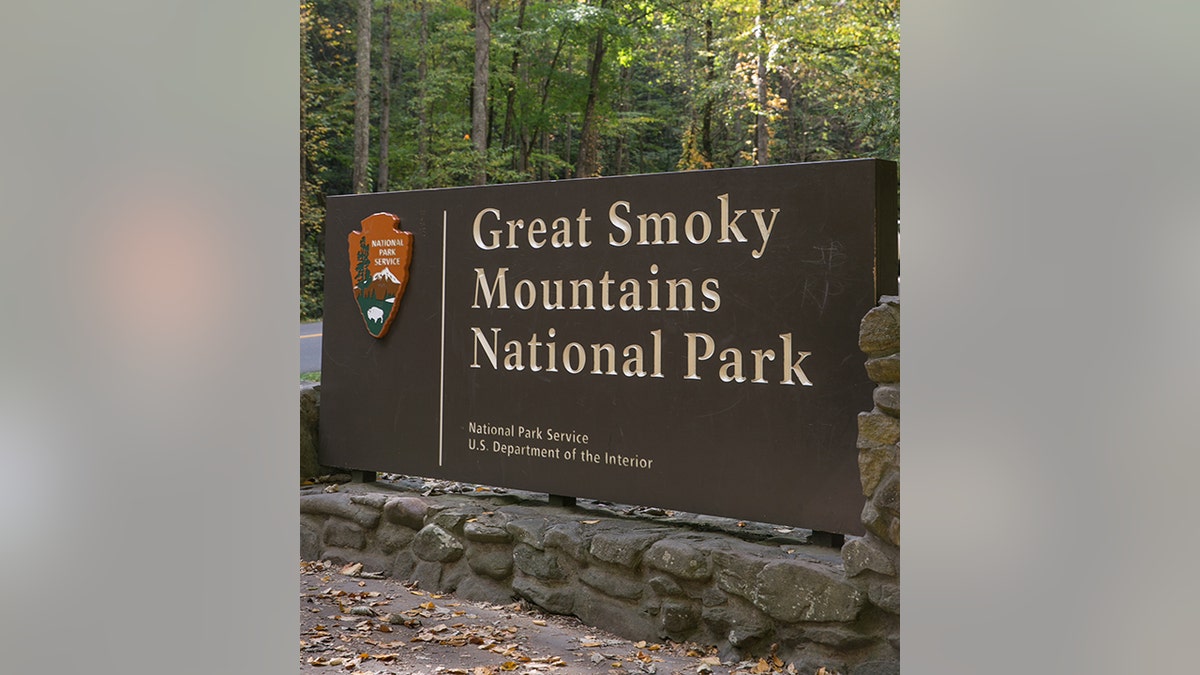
[372, 626]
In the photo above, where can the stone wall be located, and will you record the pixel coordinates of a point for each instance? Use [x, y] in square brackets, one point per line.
[310, 414]
[874, 560]
[651, 574]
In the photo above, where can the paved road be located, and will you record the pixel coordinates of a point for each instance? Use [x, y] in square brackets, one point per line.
[310, 346]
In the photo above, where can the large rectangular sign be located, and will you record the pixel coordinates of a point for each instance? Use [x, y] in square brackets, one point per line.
[683, 340]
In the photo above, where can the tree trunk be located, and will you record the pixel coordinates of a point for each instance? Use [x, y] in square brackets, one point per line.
[589, 138]
[479, 106]
[760, 125]
[568, 135]
[710, 75]
[795, 112]
[804, 129]
[385, 97]
[509, 113]
[624, 106]
[544, 90]
[423, 100]
[362, 97]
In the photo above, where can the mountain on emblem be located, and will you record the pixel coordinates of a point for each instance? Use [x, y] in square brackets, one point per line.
[385, 274]
[379, 259]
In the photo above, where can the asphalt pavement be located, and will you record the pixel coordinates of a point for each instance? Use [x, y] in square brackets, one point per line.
[310, 346]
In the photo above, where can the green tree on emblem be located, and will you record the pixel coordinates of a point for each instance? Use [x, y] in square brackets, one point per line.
[362, 275]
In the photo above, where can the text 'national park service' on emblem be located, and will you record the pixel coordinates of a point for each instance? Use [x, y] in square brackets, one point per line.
[379, 259]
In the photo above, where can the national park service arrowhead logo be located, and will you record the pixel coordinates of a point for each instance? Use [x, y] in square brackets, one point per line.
[379, 258]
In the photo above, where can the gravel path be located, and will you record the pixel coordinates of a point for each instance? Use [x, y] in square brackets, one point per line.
[373, 626]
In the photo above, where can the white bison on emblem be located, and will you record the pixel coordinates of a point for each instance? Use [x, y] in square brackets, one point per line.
[375, 314]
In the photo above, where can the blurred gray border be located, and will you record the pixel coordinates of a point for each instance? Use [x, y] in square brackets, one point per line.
[1048, 181]
[148, 394]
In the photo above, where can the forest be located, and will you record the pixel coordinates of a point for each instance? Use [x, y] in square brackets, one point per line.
[410, 94]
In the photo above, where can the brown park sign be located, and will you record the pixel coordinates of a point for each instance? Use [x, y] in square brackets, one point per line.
[683, 340]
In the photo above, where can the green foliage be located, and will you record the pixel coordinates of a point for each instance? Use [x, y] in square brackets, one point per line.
[677, 91]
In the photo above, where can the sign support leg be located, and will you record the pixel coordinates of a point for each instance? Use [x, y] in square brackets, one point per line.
[830, 539]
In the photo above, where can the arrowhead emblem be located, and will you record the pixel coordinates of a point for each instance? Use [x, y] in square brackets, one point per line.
[379, 258]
